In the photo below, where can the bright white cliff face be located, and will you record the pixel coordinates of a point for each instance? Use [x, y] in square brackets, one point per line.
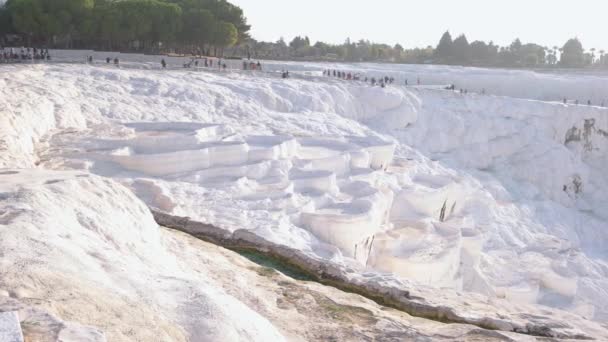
[501, 196]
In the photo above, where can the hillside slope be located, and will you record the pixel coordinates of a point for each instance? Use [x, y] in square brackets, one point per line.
[498, 196]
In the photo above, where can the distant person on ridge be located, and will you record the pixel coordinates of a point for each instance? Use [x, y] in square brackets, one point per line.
[108, 59]
[163, 63]
[116, 61]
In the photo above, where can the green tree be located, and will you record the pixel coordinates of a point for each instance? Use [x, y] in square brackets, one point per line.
[224, 35]
[29, 18]
[106, 23]
[166, 21]
[44, 19]
[222, 10]
[460, 50]
[299, 42]
[572, 55]
[71, 17]
[6, 22]
[515, 46]
[480, 53]
[198, 27]
[443, 52]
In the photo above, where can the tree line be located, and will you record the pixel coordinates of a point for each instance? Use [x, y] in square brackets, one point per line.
[456, 51]
[133, 25]
[206, 26]
[571, 55]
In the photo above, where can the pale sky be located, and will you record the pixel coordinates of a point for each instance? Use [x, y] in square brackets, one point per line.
[422, 22]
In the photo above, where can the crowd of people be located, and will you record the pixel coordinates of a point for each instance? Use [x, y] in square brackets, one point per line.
[386, 80]
[206, 62]
[341, 75]
[247, 65]
[196, 62]
[589, 103]
[350, 76]
[209, 62]
[109, 60]
[11, 55]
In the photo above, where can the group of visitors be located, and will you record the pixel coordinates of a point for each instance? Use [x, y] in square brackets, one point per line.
[252, 66]
[342, 75]
[10, 55]
[386, 80]
[463, 90]
[351, 76]
[109, 60]
[589, 103]
[206, 62]
[381, 81]
[193, 62]
[565, 100]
